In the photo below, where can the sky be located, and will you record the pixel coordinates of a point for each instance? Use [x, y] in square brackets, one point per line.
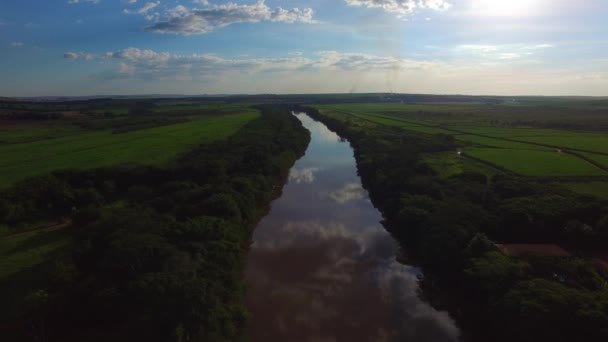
[131, 47]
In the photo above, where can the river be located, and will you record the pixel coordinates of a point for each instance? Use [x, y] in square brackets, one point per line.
[322, 268]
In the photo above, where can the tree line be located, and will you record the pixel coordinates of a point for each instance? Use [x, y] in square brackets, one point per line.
[157, 252]
[450, 227]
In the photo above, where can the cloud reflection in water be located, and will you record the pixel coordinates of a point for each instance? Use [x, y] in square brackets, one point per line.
[321, 268]
[305, 175]
[322, 282]
[349, 192]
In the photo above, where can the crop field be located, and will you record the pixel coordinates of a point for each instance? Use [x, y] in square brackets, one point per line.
[543, 113]
[68, 148]
[540, 138]
[537, 163]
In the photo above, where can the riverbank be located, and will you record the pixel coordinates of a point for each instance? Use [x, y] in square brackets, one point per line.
[322, 267]
[447, 225]
[157, 253]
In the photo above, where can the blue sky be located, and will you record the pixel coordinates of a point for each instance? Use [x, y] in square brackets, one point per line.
[502, 47]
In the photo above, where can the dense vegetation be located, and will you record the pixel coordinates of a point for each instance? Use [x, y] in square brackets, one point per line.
[155, 253]
[449, 223]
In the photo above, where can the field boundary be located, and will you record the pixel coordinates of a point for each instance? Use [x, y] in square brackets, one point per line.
[562, 149]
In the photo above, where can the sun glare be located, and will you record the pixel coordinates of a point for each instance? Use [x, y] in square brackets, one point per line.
[507, 8]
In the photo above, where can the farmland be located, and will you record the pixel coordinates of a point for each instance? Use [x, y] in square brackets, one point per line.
[549, 139]
[36, 148]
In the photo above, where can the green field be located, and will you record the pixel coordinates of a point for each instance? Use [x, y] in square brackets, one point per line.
[499, 143]
[88, 149]
[537, 163]
[29, 133]
[522, 138]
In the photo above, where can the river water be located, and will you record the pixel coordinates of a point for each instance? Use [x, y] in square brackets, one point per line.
[321, 266]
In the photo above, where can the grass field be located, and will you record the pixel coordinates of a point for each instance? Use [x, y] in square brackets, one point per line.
[87, 149]
[537, 163]
[499, 143]
[520, 138]
[34, 132]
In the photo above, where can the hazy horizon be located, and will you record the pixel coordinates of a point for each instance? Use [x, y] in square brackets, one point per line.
[193, 47]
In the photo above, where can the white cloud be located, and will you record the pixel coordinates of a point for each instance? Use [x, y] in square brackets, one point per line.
[71, 2]
[163, 65]
[16, 44]
[334, 71]
[144, 9]
[402, 7]
[489, 53]
[181, 20]
[78, 55]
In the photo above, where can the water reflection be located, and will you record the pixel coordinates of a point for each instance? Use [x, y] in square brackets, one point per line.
[321, 268]
[305, 175]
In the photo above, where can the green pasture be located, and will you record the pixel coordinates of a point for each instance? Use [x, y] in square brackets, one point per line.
[537, 163]
[517, 149]
[598, 158]
[592, 142]
[103, 148]
[33, 132]
[499, 143]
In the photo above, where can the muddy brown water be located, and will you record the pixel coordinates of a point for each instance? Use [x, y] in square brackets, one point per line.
[321, 266]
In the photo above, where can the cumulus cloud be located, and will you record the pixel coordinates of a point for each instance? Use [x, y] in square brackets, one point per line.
[182, 20]
[401, 7]
[78, 55]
